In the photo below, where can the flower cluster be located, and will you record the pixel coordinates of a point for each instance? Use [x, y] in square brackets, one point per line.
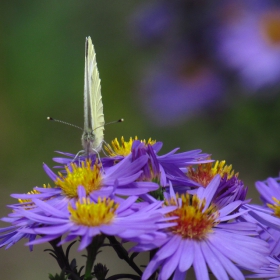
[186, 209]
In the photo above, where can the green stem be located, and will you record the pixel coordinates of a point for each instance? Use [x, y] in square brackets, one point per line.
[62, 260]
[124, 276]
[152, 254]
[122, 254]
[92, 251]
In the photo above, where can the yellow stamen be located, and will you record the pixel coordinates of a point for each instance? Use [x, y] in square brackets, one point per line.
[93, 214]
[193, 221]
[33, 192]
[88, 176]
[205, 172]
[275, 207]
[124, 149]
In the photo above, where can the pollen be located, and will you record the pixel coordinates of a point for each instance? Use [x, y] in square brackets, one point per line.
[33, 192]
[28, 203]
[205, 172]
[92, 214]
[124, 148]
[275, 207]
[87, 175]
[194, 221]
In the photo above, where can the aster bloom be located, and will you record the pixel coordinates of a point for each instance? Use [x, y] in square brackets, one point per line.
[181, 80]
[12, 234]
[249, 42]
[268, 214]
[230, 188]
[87, 219]
[120, 179]
[183, 87]
[206, 236]
[162, 169]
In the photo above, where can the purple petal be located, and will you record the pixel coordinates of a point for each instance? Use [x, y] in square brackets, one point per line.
[60, 229]
[213, 262]
[172, 262]
[50, 173]
[187, 255]
[199, 263]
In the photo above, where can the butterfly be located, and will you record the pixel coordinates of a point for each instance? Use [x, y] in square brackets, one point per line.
[93, 135]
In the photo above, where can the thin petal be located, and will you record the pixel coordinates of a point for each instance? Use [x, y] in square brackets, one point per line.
[199, 263]
[213, 262]
[187, 255]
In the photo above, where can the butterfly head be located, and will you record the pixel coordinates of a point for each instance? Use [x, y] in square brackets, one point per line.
[88, 142]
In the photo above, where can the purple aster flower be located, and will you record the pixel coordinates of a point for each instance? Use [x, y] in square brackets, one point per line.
[119, 179]
[267, 215]
[162, 169]
[249, 42]
[269, 191]
[12, 234]
[206, 236]
[87, 219]
[230, 188]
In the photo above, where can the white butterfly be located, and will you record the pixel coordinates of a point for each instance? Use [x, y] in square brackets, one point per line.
[93, 136]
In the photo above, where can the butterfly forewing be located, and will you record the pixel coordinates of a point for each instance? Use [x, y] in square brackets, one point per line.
[93, 108]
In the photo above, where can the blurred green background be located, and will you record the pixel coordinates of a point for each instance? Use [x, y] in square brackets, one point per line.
[42, 67]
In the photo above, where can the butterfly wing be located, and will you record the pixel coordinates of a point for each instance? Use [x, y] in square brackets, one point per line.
[93, 107]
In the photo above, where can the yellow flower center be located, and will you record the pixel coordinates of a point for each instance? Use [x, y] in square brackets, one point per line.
[204, 173]
[193, 221]
[93, 214]
[275, 207]
[32, 192]
[270, 27]
[124, 148]
[88, 176]
[28, 203]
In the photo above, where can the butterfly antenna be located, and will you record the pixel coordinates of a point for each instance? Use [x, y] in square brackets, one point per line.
[120, 120]
[52, 119]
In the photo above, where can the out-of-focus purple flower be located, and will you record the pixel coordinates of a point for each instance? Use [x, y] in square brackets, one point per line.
[153, 21]
[249, 42]
[181, 81]
[206, 236]
[173, 92]
[87, 219]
